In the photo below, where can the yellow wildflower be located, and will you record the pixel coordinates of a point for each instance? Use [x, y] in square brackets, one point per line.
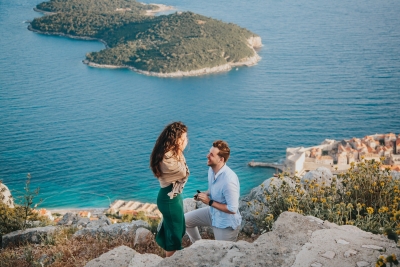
[370, 210]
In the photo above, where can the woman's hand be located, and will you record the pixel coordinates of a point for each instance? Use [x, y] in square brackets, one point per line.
[203, 197]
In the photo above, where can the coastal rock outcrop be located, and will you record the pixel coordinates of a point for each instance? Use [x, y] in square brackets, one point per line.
[255, 41]
[295, 240]
[31, 235]
[258, 201]
[5, 196]
[321, 175]
[124, 256]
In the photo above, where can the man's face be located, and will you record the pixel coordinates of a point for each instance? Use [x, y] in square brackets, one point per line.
[212, 158]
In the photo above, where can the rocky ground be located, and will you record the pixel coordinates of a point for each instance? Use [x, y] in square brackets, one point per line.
[296, 241]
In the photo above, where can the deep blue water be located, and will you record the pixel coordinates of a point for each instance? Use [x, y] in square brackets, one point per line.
[329, 69]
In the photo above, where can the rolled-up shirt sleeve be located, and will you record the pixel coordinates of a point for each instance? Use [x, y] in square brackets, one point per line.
[231, 193]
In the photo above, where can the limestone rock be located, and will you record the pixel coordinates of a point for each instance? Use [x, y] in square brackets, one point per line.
[120, 256]
[69, 219]
[101, 222]
[363, 264]
[341, 241]
[396, 175]
[255, 41]
[31, 235]
[200, 205]
[145, 260]
[320, 175]
[349, 253]
[189, 204]
[289, 244]
[5, 196]
[143, 236]
[329, 255]
[257, 199]
[373, 247]
[113, 229]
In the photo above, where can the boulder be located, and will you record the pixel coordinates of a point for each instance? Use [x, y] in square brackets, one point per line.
[120, 256]
[113, 229]
[31, 235]
[82, 223]
[69, 219]
[295, 240]
[101, 222]
[395, 175]
[143, 236]
[320, 175]
[124, 256]
[189, 204]
[255, 202]
[5, 196]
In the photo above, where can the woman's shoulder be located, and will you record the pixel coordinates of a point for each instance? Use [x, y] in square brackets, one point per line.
[169, 155]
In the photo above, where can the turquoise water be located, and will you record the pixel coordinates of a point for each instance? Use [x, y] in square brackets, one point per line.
[329, 69]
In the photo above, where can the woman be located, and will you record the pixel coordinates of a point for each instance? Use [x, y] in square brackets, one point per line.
[169, 166]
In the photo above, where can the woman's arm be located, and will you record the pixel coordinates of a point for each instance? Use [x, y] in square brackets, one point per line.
[173, 169]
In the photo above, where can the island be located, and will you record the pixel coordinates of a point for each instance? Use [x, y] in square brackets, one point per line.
[174, 45]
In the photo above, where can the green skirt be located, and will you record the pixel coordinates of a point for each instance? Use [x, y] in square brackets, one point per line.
[173, 227]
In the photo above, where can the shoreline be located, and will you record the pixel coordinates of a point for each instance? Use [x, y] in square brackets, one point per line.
[249, 61]
[161, 8]
[68, 35]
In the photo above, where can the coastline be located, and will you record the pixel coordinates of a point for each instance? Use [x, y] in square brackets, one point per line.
[44, 12]
[68, 35]
[161, 8]
[249, 61]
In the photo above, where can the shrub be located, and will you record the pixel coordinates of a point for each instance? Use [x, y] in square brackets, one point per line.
[365, 196]
[141, 216]
[20, 217]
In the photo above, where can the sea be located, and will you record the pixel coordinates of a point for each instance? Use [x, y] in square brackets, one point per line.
[329, 70]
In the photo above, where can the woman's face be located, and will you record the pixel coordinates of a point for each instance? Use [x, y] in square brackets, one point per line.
[183, 141]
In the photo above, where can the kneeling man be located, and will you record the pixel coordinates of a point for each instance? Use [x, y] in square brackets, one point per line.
[222, 197]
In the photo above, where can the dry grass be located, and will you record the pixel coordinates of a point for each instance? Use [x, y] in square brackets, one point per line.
[62, 250]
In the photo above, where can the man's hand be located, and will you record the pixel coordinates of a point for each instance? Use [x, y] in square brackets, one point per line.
[203, 197]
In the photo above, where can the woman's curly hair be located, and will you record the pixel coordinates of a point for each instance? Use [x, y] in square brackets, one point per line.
[167, 141]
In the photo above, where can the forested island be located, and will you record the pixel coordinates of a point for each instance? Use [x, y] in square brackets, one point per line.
[179, 44]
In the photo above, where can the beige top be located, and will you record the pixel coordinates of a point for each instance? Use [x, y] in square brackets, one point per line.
[173, 171]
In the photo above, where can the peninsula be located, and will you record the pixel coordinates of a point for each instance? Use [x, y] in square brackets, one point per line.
[174, 45]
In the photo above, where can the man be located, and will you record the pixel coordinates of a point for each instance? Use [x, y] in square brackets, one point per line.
[222, 197]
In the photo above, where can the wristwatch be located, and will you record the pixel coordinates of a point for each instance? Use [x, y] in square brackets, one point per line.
[211, 202]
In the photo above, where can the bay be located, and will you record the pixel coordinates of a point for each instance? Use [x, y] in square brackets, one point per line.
[328, 70]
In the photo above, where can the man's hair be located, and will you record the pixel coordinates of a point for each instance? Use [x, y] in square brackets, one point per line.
[224, 150]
